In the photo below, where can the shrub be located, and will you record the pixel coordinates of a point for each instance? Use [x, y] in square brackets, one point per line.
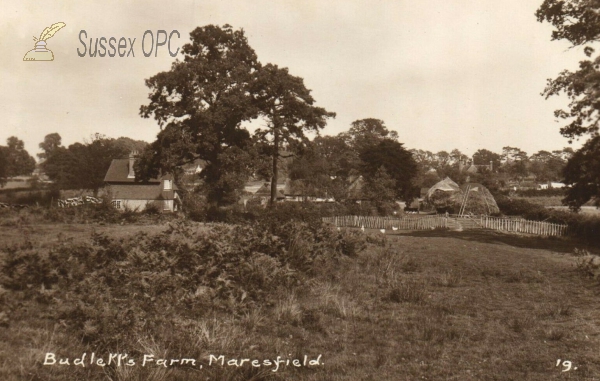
[583, 227]
[113, 291]
[41, 197]
[588, 264]
[352, 242]
[152, 209]
[195, 207]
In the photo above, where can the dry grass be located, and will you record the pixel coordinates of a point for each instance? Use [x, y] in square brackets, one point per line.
[442, 306]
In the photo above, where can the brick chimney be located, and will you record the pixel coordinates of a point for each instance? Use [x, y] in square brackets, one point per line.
[131, 174]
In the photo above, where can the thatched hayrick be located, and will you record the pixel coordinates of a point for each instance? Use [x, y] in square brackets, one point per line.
[447, 196]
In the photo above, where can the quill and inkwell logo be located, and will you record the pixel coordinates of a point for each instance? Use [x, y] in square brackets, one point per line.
[41, 52]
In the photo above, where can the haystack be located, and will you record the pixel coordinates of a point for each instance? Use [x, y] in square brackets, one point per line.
[479, 199]
[447, 196]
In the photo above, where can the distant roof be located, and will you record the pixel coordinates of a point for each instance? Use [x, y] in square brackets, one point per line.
[253, 186]
[473, 168]
[355, 189]
[265, 191]
[119, 169]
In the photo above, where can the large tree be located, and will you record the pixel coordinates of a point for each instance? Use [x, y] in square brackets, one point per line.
[289, 110]
[366, 133]
[578, 22]
[397, 162]
[485, 157]
[380, 188]
[200, 104]
[82, 165]
[547, 166]
[582, 173]
[323, 168]
[515, 162]
[51, 142]
[18, 162]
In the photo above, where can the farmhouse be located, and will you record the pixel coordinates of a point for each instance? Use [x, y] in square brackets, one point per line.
[126, 192]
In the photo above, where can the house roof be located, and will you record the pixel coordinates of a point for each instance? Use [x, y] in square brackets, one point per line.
[355, 188]
[253, 186]
[119, 169]
[265, 191]
[140, 191]
[473, 168]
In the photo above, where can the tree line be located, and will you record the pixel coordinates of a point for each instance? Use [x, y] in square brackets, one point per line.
[203, 103]
[496, 170]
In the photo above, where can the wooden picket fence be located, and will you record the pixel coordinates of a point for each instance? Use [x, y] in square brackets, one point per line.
[524, 226]
[404, 223]
[451, 222]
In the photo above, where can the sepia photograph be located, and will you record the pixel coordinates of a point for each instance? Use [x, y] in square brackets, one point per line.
[299, 190]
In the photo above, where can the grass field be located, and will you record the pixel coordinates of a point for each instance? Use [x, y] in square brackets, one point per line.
[544, 200]
[555, 202]
[434, 305]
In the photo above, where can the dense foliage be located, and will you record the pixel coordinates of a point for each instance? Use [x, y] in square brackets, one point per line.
[83, 165]
[582, 173]
[578, 22]
[14, 159]
[397, 163]
[202, 101]
[112, 292]
[289, 109]
[200, 104]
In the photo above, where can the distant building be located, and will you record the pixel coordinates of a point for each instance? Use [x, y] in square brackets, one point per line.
[127, 193]
[470, 167]
[551, 185]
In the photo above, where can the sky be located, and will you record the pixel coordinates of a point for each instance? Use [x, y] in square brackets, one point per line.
[444, 74]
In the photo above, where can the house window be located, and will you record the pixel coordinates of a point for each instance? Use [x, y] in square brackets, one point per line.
[167, 185]
[168, 205]
[116, 204]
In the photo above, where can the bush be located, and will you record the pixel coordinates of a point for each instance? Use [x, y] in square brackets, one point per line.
[114, 291]
[352, 242]
[587, 263]
[152, 209]
[42, 197]
[583, 227]
[195, 207]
